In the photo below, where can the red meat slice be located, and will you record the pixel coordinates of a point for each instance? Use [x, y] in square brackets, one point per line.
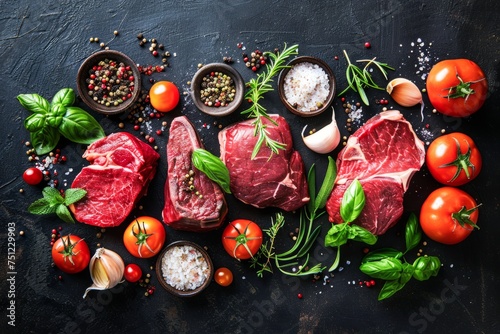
[383, 155]
[278, 181]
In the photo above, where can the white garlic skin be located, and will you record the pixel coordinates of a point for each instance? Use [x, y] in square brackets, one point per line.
[106, 270]
[324, 140]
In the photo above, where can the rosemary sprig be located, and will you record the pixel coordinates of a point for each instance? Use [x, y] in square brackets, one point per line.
[358, 79]
[257, 87]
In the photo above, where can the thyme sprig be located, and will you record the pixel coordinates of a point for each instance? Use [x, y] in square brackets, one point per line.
[359, 79]
[298, 254]
[257, 87]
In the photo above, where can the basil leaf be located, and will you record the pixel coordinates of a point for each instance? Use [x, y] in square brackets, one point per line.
[336, 235]
[311, 183]
[45, 139]
[80, 127]
[413, 234]
[382, 253]
[34, 103]
[63, 213]
[425, 267]
[35, 122]
[213, 167]
[73, 195]
[327, 185]
[387, 269]
[41, 207]
[64, 97]
[391, 287]
[359, 233]
[353, 202]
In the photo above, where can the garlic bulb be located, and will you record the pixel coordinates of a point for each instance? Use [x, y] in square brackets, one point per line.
[325, 140]
[106, 270]
[405, 93]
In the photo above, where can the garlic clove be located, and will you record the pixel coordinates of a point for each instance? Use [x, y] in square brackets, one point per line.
[405, 93]
[106, 270]
[324, 140]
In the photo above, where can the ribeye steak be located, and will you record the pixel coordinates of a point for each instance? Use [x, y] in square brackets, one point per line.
[121, 169]
[383, 155]
[278, 181]
[193, 202]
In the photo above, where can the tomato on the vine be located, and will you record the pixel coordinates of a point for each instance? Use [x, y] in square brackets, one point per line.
[453, 159]
[223, 276]
[132, 273]
[449, 215]
[32, 176]
[242, 239]
[164, 96]
[144, 237]
[457, 87]
[71, 254]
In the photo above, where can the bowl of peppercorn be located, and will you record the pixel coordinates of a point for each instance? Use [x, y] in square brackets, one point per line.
[217, 89]
[109, 82]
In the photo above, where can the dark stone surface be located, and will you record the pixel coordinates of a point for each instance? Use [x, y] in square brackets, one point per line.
[42, 45]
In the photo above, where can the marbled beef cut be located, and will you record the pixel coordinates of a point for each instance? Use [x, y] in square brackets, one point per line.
[278, 181]
[383, 155]
[193, 202]
[121, 169]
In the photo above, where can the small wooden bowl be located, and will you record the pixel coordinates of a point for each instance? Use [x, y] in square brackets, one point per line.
[331, 80]
[170, 288]
[83, 75]
[238, 83]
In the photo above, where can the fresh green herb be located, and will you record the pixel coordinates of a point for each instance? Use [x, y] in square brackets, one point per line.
[50, 120]
[257, 87]
[360, 79]
[353, 202]
[212, 166]
[387, 263]
[307, 235]
[54, 202]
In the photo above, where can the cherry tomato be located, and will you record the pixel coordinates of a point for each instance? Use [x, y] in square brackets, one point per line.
[457, 87]
[223, 276]
[132, 273]
[242, 239]
[164, 96]
[144, 237]
[453, 159]
[71, 254]
[449, 215]
[32, 176]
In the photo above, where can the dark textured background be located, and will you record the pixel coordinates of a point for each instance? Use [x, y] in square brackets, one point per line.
[41, 48]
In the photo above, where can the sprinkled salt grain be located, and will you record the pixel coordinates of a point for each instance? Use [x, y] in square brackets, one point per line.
[451, 265]
[341, 268]
[306, 86]
[348, 262]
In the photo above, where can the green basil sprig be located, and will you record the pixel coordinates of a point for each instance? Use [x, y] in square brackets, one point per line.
[388, 263]
[51, 120]
[213, 167]
[54, 202]
[353, 202]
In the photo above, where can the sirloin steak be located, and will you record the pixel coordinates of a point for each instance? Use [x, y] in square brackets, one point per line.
[193, 202]
[121, 169]
[278, 181]
[383, 155]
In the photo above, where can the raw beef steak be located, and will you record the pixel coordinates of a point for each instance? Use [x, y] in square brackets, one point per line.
[193, 202]
[121, 169]
[278, 181]
[383, 155]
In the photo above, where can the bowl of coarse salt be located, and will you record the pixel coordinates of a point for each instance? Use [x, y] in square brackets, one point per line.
[184, 268]
[307, 86]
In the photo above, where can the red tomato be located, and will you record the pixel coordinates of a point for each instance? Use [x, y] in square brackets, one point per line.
[453, 159]
[144, 237]
[449, 215]
[223, 276]
[242, 239]
[164, 96]
[132, 273]
[32, 176]
[71, 254]
[457, 87]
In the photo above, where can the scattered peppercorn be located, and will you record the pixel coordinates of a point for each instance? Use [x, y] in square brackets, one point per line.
[367, 45]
